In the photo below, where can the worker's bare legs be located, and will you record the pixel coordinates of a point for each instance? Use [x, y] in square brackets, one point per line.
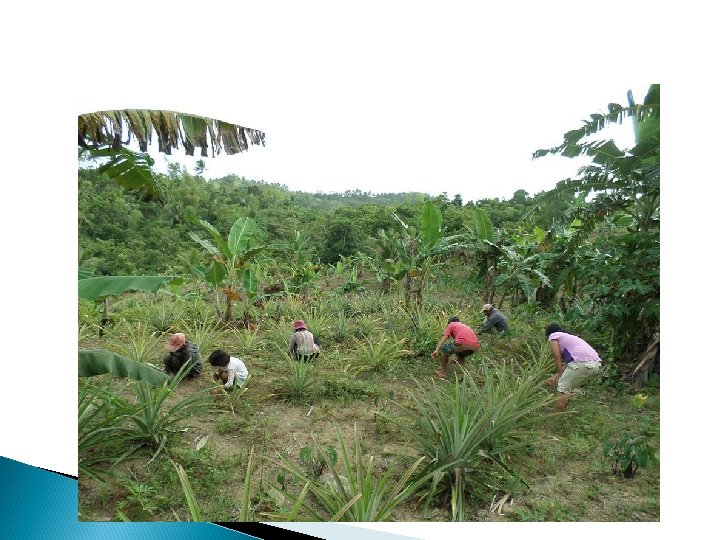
[459, 360]
[561, 402]
[442, 372]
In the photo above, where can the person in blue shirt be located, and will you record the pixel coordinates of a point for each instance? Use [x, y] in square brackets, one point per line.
[495, 321]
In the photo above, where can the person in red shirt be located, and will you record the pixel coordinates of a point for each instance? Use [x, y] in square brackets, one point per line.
[458, 339]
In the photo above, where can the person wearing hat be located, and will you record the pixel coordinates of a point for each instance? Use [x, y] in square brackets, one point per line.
[304, 346]
[458, 339]
[495, 321]
[182, 351]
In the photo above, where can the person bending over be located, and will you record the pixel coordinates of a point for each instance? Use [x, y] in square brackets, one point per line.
[230, 370]
[304, 346]
[182, 351]
[458, 339]
[576, 362]
[495, 321]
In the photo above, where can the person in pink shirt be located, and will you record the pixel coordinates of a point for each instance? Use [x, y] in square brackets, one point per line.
[458, 339]
[576, 362]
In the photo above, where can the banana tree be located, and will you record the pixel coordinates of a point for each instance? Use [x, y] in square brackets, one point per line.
[626, 188]
[390, 266]
[623, 180]
[564, 250]
[230, 270]
[298, 265]
[519, 271]
[480, 238]
[412, 253]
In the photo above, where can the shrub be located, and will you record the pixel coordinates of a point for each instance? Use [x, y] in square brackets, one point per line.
[471, 424]
[628, 452]
[298, 382]
[353, 492]
[378, 354]
[134, 341]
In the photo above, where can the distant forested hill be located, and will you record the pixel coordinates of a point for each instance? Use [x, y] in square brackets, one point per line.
[119, 234]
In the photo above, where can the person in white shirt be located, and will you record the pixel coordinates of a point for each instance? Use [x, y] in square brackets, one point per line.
[230, 370]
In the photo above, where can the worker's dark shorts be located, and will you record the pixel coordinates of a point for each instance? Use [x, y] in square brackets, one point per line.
[449, 348]
[305, 357]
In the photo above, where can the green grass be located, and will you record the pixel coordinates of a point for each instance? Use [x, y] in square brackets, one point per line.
[548, 511]
[229, 424]
[346, 389]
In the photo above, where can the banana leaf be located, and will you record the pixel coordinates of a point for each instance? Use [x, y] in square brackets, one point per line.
[131, 170]
[483, 225]
[240, 234]
[84, 273]
[93, 362]
[97, 288]
[431, 222]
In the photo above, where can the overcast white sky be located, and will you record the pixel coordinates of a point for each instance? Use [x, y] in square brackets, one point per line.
[382, 96]
[385, 96]
[476, 140]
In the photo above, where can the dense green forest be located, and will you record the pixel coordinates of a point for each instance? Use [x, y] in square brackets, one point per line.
[365, 432]
[336, 225]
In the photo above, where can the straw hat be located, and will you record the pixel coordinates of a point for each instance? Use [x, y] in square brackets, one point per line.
[176, 342]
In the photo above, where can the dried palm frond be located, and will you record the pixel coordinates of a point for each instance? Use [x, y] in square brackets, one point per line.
[117, 128]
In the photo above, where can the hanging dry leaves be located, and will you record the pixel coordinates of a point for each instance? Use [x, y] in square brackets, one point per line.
[171, 129]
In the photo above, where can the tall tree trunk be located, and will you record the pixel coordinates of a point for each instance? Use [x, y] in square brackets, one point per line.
[407, 292]
[228, 309]
[545, 295]
[645, 364]
[489, 286]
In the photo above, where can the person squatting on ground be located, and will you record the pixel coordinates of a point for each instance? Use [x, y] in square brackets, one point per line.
[575, 361]
[495, 321]
[458, 339]
[304, 346]
[181, 350]
[230, 370]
